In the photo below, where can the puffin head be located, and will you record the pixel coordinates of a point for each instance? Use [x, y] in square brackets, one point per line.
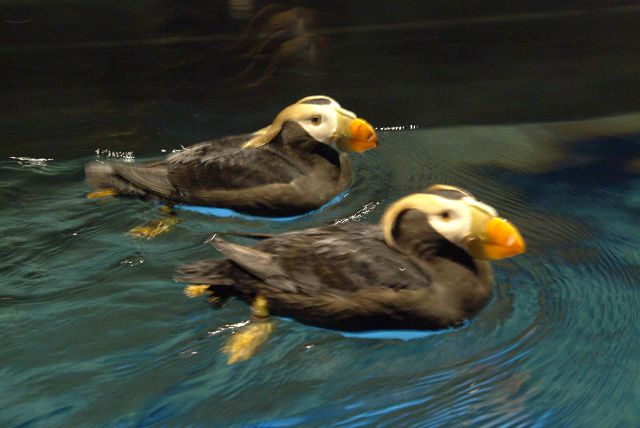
[457, 216]
[325, 121]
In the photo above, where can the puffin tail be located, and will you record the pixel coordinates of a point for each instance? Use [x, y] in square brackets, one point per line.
[211, 277]
[207, 272]
[104, 177]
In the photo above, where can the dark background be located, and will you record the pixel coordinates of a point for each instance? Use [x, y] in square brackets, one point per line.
[142, 75]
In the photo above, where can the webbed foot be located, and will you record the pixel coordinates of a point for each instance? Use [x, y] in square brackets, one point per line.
[101, 193]
[245, 342]
[155, 227]
[193, 290]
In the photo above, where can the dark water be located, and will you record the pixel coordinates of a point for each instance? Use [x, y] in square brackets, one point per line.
[94, 331]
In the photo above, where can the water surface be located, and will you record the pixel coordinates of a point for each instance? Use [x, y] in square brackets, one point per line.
[96, 333]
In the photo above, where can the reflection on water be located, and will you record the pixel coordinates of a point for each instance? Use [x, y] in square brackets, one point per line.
[274, 37]
[95, 332]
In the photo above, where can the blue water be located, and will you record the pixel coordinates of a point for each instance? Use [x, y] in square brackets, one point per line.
[96, 333]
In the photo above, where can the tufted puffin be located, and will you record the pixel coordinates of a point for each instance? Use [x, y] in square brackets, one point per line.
[290, 167]
[424, 267]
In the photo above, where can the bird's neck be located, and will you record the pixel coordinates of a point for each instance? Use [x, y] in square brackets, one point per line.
[306, 149]
[414, 236]
[433, 249]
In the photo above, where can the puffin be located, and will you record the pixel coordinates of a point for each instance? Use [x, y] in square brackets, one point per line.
[295, 165]
[425, 266]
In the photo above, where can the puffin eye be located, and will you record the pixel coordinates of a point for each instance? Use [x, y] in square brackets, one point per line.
[445, 215]
[316, 120]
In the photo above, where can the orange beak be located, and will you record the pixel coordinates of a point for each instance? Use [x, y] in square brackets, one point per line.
[359, 138]
[499, 239]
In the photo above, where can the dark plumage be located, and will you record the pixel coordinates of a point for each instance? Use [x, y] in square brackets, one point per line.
[281, 178]
[349, 277]
[278, 171]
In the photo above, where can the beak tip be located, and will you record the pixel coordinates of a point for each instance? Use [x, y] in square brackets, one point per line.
[505, 240]
[362, 136]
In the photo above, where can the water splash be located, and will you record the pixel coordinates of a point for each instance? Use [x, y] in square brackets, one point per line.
[27, 161]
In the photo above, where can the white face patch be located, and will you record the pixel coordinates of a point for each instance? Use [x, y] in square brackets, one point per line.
[322, 123]
[454, 219]
[451, 219]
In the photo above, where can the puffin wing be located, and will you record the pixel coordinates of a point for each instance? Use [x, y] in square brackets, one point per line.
[214, 165]
[340, 278]
[152, 178]
[224, 165]
[267, 180]
[256, 262]
[332, 259]
[335, 277]
[261, 181]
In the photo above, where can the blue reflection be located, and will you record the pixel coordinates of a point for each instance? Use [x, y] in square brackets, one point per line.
[225, 212]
